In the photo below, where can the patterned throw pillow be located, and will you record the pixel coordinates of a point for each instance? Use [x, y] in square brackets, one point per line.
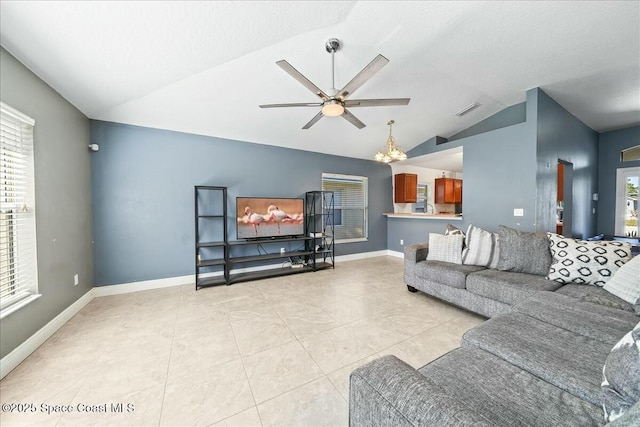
[621, 376]
[445, 248]
[453, 230]
[580, 261]
[481, 248]
[625, 283]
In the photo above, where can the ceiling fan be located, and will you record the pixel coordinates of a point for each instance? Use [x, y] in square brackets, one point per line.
[335, 102]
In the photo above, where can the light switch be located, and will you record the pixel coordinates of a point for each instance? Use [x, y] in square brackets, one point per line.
[518, 212]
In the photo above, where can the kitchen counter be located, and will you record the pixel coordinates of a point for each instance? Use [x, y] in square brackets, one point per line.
[447, 216]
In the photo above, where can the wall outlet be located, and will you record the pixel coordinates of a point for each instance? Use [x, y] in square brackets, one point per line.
[401, 242]
[76, 280]
[281, 250]
[518, 212]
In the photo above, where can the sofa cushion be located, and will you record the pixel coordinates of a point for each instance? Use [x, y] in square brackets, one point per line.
[621, 376]
[454, 275]
[445, 248]
[505, 394]
[481, 247]
[506, 286]
[388, 392]
[625, 283]
[523, 252]
[586, 262]
[588, 319]
[567, 360]
[596, 295]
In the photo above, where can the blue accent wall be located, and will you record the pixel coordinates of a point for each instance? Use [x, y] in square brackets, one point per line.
[142, 187]
[561, 136]
[610, 144]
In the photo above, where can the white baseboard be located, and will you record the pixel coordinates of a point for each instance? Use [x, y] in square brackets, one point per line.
[361, 255]
[13, 359]
[395, 254]
[145, 285]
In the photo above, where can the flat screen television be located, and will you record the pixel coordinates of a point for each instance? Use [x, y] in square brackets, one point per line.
[269, 217]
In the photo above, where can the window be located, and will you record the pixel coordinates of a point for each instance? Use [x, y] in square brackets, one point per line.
[627, 183]
[630, 154]
[18, 264]
[350, 206]
[419, 206]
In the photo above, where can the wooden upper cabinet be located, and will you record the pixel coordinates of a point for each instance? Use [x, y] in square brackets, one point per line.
[448, 190]
[406, 188]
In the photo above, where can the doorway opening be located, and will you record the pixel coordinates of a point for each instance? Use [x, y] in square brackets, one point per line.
[627, 184]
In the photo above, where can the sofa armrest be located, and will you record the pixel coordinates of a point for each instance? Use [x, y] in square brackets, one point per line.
[388, 392]
[413, 254]
[416, 253]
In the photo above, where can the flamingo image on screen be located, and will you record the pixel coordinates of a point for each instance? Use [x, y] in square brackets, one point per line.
[269, 217]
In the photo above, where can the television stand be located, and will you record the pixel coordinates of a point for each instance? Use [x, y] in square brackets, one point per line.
[220, 261]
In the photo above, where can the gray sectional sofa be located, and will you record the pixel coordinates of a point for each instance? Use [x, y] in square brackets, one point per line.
[538, 360]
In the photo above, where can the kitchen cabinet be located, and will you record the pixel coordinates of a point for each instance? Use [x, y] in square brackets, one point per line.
[406, 188]
[448, 190]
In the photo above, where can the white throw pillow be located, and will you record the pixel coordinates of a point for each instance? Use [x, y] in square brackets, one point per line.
[625, 283]
[445, 248]
[481, 248]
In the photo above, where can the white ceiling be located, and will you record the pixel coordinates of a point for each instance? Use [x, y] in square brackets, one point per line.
[203, 67]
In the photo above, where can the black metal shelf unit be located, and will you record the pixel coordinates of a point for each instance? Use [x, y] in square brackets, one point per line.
[214, 253]
[271, 247]
[211, 249]
[320, 228]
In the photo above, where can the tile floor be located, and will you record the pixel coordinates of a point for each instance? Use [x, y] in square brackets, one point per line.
[276, 352]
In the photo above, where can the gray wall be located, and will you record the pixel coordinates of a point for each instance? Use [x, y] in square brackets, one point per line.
[610, 144]
[63, 200]
[143, 183]
[561, 136]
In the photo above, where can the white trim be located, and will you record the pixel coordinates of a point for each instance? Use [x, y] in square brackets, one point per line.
[361, 255]
[20, 353]
[353, 240]
[622, 175]
[145, 285]
[395, 254]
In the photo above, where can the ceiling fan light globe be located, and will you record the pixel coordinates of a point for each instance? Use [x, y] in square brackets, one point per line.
[332, 109]
[386, 159]
[379, 156]
[403, 156]
[395, 154]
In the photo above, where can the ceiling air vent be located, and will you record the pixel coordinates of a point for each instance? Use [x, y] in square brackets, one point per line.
[468, 108]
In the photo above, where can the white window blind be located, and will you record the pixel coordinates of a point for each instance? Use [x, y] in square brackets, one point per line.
[18, 263]
[350, 206]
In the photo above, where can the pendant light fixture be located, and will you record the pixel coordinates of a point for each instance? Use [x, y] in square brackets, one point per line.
[393, 152]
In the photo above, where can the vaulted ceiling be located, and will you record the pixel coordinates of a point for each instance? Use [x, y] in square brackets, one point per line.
[204, 67]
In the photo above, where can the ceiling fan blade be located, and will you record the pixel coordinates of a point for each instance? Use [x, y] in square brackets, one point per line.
[313, 121]
[302, 79]
[300, 104]
[364, 75]
[353, 119]
[376, 102]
